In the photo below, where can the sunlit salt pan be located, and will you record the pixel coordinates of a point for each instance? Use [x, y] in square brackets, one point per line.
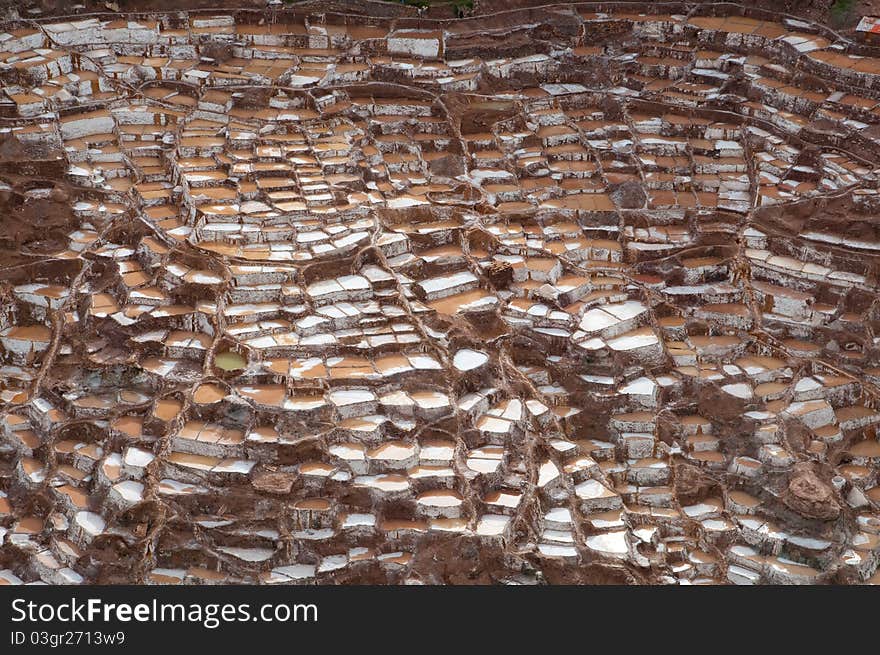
[350, 397]
[639, 387]
[405, 201]
[302, 80]
[130, 490]
[740, 390]
[632, 341]
[359, 520]
[248, 554]
[492, 524]
[90, 522]
[555, 550]
[175, 487]
[590, 489]
[296, 571]
[440, 498]
[468, 360]
[383, 482]
[137, 457]
[613, 543]
[547, 473]
[332, 563]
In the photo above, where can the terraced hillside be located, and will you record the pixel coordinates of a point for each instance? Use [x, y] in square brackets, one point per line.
[581, 293]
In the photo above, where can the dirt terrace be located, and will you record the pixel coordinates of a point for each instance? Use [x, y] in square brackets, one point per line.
[574, 295]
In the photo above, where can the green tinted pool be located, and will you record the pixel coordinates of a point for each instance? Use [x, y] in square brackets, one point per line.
[229, 361]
